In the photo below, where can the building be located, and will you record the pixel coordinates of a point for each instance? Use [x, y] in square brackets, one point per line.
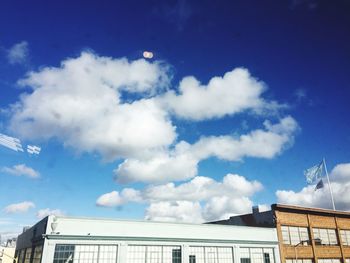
[83, 240]
[306, 235]
[7, 251]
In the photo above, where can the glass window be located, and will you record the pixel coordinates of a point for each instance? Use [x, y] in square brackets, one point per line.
[176, 255]
[347, 260]
[345, 237]
[154, 254]
[21, 256]
[256, 255]
[38, 250]
[85, 254]
[328, 260]
[301, 260]
[326, 236]
[211, 254]
[294, 235]
[28, 254]
[64, 253]
[107, 254]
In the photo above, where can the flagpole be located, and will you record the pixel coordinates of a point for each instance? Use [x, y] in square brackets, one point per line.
[329, 184]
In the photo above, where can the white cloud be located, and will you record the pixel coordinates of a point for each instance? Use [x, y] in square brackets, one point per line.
[21, 170]
[340, 183]
[177, 211]
[122, 109]
[182, 162]
[47, 212]
[19, 207]
[114, 199]
[235, 92]
[80, 103]
[207, 198]
[18, 53]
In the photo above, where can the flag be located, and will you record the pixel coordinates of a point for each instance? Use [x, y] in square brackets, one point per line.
[32, 149]
[314, 173]
[11, 143]
[319, 185]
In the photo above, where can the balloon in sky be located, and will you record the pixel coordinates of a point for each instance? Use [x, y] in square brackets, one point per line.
[147, 54]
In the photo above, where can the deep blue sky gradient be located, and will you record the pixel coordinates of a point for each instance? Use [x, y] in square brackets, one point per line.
[290, 45]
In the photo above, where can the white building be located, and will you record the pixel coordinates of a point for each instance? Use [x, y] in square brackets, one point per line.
[87, 240]
[7, 254]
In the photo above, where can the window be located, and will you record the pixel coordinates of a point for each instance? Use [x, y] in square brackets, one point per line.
[347, 260]
[154, 254]
[266, 258]
[326, 236]
[176, 255]
[328, 260]
[192, 259]
[345, 237]
[28, 254]
[256, 255]
[200, 254]
[85, 254]
[294, 235]
[38, 250]
[107, 254]
[64, 253]
[301, 260]
[21, 256]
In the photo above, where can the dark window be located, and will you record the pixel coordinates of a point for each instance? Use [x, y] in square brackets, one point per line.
[245, 260]
[266, 258]
[64, 254]
[192, 259]
[176, 255]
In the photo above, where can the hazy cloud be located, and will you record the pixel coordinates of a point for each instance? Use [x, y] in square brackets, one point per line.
[47, 212]
[21, 170]
[18, 53]
[340, 183]
[19, 207]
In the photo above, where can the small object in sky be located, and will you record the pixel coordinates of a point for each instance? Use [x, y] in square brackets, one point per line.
[11, 143]
[32, 149]
[148, 54]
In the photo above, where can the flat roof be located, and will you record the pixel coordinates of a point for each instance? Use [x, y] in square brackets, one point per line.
[313, 210]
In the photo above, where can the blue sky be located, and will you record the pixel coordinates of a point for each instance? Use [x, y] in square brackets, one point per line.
[239, 98]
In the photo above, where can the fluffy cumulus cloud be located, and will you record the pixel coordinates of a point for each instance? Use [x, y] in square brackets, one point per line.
[114, 199]
[308, 196]
[127, 110]
[18, 53]
[177, 211]
[235, 92]
[19, 207]
[81, 104]
[182, 162]
[200, 199]
[47, 212]
[21, 170]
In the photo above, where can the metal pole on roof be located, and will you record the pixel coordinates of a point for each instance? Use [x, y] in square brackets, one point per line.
[329, 184]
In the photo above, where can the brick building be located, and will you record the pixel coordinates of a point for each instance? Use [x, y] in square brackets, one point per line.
[306, 235]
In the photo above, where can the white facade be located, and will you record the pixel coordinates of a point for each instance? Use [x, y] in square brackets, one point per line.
[7, 254]
[84, 240]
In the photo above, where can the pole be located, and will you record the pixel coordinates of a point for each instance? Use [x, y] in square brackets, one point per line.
[329, 184]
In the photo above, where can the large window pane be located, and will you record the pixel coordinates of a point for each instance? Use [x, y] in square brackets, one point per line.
[28, 255]
[326, 236]
[257, 255]
[38, 250]
[154, 254]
